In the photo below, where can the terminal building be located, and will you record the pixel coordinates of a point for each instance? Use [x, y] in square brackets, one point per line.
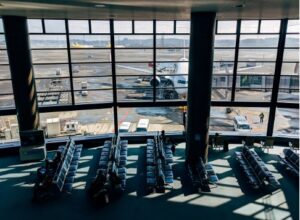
[147, 109]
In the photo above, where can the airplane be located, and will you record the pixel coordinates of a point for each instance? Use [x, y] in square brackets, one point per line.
[78, 45]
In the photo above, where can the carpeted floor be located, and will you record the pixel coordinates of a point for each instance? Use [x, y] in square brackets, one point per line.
[231, 199]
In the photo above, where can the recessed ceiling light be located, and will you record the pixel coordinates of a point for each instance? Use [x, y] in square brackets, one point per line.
[100, 6]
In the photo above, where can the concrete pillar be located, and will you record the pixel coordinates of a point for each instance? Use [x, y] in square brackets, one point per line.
[199, 89]
[18, 49]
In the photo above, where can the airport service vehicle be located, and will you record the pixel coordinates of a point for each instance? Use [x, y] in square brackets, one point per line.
[142, 125]
[241, 124]
[71, 126]
[124, 127]
[84, 93]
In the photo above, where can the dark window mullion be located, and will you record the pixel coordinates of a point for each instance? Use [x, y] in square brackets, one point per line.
[236, 57]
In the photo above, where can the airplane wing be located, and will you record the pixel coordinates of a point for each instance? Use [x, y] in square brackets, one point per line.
[136, 69]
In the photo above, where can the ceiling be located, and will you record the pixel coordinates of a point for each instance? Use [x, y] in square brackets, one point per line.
[150, 9]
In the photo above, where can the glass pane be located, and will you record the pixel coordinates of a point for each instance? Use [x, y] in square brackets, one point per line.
[134, 68]
[1, 26]
[97, 69]
[270, 26]
[259, 40]
[183, 27]
[135, 94]
[94, 96]
[48, 41]
[34, 26]
[225, 40]
[55, 26]
[45, 71]
[289, 89]
[291, 55]
[172, 41]
[164, 26]
[123, 26]
[293, 26]
[143, 26]
[54, 98]
[223, 55]
[58, 84]
[249, 26]
[100, 121]
[6, 87]
[133, 82]
[256, 68]
[90, 55]
[3, 57]
[290, 69]
[160, 118]
[226, 26]
[286, 122]
[87, 83]
[49, 56]
[122, 41]
[167, 68]
[5, 72]
[171, 54]
[100, 27]
[229, 123]
[292, 40]
[78, 26]
[134, 55]
[7, 101]
[257, 54]
[220, 94]
[2, 42]
[89, 41]
[9, 128]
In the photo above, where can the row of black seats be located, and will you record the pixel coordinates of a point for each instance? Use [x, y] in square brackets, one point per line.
[159, 159]
[255, 169]
[199, 176]
[111, 174]
[58, 175]
[290, 160]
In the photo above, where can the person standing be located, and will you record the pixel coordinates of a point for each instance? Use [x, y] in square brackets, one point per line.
[261, 118]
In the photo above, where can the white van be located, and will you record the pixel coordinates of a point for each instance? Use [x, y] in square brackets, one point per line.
[124, 127]
[240, 123]
[142, 125]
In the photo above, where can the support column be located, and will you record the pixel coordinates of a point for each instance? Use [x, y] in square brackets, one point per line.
[18, 50]
[199, 87]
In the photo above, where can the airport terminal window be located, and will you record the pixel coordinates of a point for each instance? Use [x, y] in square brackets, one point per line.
[6, 91]
[86, 122]
[289, 79]
[172, 54]
[239, 120]
[9, 129]
[50, 62]
[286, 122]
[155, 119]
